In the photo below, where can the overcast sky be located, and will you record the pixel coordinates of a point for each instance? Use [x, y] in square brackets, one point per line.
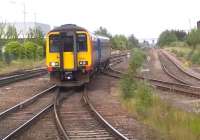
[143, 18]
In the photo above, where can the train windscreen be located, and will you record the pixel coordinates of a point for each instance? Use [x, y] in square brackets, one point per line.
[81, 43]
[56, 42]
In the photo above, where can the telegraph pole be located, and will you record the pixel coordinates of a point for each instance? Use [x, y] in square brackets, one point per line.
[24, 12]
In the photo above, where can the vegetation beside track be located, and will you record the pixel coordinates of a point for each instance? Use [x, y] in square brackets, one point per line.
[137, 96]
[20, 65]
[119, 41]
[185, 45]
[184, 53]
[18, 53]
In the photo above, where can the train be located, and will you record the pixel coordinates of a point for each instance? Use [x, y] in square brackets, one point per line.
[73, 55]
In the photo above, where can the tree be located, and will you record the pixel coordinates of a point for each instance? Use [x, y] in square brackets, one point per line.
[11, 32]
[30, 33]
[2, 30]
[119, 42]
[180, 34]
[36, 34]
[30, 49]
[132, 42]
[102, 31]
[13, 50]
[166, 37]
[193, 39]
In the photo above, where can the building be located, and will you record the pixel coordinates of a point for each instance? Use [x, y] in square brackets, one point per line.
[22, 29]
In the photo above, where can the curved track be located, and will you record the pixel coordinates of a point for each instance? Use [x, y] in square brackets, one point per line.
[180, 88]
[177, 72]
[77, 118]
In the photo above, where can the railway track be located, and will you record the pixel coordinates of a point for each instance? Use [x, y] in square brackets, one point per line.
[77, 118]
[180, 88]
[177, 72]
[22, 76]
[27, 74]
[15, 119]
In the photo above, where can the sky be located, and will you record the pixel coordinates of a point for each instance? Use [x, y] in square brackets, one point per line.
[145, 19]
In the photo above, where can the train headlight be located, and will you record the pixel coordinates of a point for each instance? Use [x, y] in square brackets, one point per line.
[54, 64]
[82, 63]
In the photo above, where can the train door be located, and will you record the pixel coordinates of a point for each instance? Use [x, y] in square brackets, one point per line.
[68, 52]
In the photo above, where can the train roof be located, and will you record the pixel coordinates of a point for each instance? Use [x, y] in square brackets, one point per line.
[73, 27]
[68, 27]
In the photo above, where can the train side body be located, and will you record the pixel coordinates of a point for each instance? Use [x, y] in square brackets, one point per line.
[102, 50]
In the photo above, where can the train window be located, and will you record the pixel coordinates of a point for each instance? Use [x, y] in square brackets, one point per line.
[54, 43]
[81, 42]
[68, 43]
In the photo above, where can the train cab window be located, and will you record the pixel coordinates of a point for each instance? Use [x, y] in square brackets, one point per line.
[68, 43]
[81, 43]
[54, 43]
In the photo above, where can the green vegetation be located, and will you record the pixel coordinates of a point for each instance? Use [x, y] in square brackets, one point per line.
[167, 37]
[13, 50]
[131, 88]
[185, 46]
[36, 35]
[11, 33]
[28, 50]
[133, 42]
[20, 53]
[184, 53]
[119, 41]
[103, 32]
[21, 64]
[138, 98]
[193, 38]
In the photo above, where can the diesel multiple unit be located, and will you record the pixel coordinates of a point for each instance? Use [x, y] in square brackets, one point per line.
[73, 54]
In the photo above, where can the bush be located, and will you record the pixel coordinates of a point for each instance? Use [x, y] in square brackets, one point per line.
[195, 58]
[119, 42]
[128, 86]
[174, 51]
[30, 50]
[193, 38]
[144, 98]
[137, 59]
[178, 44]
[13, 50]
[40, 52]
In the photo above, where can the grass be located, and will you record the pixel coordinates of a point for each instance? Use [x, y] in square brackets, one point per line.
[20, 65]
[184, 52]
[170, 122]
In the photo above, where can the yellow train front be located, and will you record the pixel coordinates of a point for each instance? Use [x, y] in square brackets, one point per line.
[73, 55]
